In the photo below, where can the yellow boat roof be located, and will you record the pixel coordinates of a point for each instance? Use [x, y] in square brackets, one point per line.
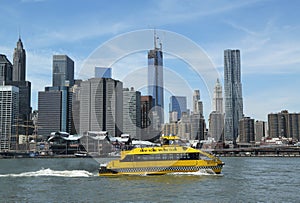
[160, 150]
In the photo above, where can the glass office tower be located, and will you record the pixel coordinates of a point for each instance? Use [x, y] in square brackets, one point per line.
[155, 78]
[63, 71]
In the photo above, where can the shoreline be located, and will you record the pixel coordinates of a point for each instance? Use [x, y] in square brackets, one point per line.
[255, 156]
[88, 157]
[26, 156]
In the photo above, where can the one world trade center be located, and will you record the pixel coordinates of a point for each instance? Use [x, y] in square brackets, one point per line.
[155, 79]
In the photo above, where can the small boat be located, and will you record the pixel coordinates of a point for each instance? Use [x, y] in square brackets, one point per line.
[172, 156]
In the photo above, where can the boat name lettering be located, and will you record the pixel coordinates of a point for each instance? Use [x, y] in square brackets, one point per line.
[154, 150]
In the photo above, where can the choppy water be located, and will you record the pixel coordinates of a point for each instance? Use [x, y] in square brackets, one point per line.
[76, 180]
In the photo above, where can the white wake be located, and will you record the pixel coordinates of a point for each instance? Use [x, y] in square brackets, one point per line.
[201, 172]
[49, 172]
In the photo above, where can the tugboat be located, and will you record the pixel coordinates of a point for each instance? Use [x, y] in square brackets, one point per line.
[172, 156]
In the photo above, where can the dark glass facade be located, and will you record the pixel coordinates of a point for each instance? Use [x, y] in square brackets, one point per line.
[63, 71]
[155, 80]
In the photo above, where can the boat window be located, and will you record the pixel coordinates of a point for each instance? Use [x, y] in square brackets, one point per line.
[176, 156]
[185, 157]
[157, 157]
[164, 156]
[147, 157]
[193, 156]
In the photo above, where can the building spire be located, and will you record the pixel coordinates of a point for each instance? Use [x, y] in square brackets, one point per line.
[154, 38]
[19, 33]
[19, 62]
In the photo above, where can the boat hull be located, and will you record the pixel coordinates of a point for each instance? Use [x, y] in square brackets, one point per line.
[159, 170]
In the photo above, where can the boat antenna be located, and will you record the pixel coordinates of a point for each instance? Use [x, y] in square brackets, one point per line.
[155, 38]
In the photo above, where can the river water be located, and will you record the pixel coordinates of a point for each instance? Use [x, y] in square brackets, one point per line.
[252, 179]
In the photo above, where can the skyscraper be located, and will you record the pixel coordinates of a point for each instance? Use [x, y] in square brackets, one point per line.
[101, 72]
[216, 117]
[197, 103]
[184, 127]
[5, 69]
[149, 119]
[19, 62]
[246, 130]
[55, 103]
[101, 106]
[63, 71]
[197, 121]
[132, 112]
[218, 98]
[198, 126]
[284, 124]
[75, 107]
[233, 94]
[196, 98]
[261, 130]
[24, 98]
[51, 112]
[146, 106]
[155, 78]
[216, 125]
[9, 110]
[178, 104]
[19, 80]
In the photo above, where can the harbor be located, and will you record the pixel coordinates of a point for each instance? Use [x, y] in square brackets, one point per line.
[263, 179]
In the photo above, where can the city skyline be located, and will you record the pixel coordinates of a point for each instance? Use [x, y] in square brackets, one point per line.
[269, 45]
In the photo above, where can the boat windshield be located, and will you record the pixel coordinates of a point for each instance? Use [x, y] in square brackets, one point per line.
[172, 141]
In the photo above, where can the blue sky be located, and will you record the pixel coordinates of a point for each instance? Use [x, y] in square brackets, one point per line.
[267, 33]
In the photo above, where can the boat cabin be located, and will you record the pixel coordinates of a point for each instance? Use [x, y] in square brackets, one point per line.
[171, 140]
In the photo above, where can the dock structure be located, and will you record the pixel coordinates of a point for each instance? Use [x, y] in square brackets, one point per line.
[274, 151]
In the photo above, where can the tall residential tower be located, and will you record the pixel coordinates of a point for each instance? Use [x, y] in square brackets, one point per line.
[233, 94]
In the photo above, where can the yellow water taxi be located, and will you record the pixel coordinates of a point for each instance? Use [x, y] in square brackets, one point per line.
[172, 156]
